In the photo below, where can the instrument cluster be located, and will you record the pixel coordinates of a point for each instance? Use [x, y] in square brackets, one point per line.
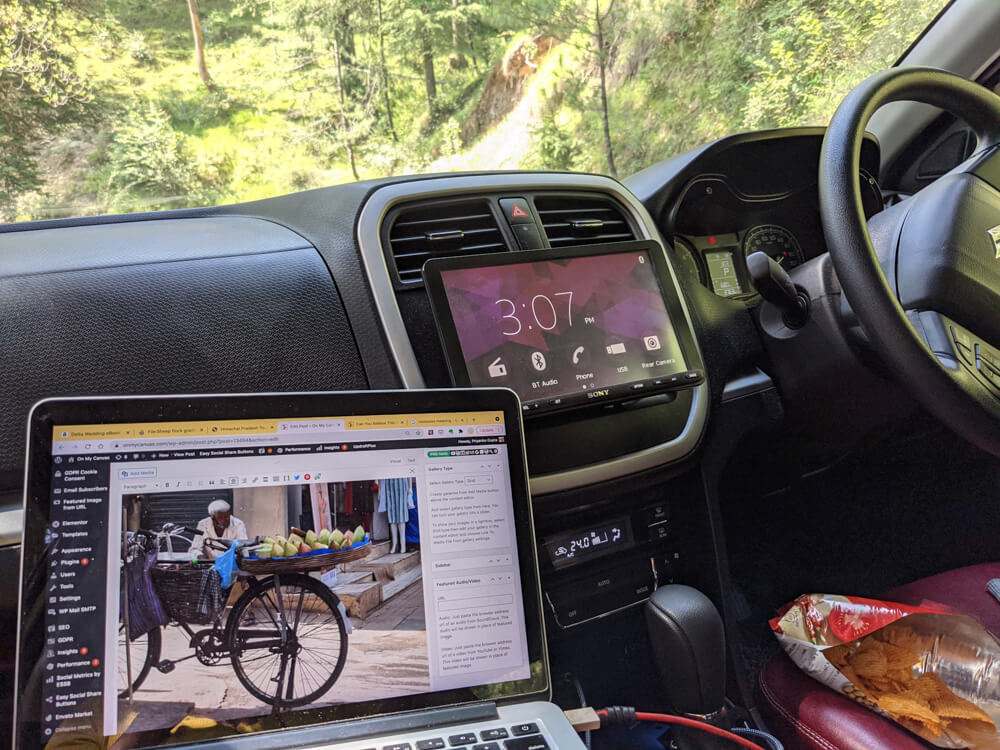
[719, 219]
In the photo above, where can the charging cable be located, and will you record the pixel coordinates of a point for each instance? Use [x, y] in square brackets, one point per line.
[586, 719]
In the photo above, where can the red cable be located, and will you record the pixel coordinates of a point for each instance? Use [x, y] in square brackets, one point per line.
[694, 724]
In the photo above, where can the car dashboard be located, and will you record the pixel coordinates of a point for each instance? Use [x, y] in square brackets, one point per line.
[322, 290]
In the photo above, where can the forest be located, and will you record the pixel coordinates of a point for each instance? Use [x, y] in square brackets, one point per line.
[110, 106]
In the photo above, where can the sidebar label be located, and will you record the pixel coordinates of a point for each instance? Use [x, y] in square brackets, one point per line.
[75, 590]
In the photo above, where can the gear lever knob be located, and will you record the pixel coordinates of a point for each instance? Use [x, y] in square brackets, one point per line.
[690, 648]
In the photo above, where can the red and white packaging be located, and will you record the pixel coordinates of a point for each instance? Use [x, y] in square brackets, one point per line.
[931, 670]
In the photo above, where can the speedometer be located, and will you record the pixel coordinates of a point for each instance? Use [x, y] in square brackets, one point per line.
[775, 241]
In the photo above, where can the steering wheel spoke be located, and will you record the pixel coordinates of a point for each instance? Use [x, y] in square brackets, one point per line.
[986, 166]
[957, 348]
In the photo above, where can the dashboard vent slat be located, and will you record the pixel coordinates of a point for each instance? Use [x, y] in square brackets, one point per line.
[442, 229]
[582, 220]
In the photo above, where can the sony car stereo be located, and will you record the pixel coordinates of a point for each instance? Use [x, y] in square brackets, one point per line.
[563, 327]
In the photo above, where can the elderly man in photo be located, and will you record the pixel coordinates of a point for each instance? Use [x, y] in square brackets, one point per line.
[220, 524]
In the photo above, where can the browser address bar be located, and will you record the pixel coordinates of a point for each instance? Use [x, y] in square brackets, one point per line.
[199, 442]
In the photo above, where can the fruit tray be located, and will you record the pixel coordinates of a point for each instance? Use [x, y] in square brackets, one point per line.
[307, 561]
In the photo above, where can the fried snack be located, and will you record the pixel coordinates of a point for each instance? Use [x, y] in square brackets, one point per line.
[911, 707]
[880, 668]
[950, 706]
[930, 686]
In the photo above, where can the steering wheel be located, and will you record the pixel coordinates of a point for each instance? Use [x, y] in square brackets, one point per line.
[923, 276]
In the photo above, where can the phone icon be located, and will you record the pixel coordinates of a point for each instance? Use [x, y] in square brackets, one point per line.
[577, 353]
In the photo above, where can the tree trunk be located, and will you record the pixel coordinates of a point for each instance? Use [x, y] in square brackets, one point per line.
[609, 153]
[384, 71]
[199, 46]
[471, 44]
[347, 36]
[343, 109]
[457, 58]
[430, 83]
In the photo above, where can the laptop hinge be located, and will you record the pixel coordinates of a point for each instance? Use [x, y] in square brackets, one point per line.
[355, 730]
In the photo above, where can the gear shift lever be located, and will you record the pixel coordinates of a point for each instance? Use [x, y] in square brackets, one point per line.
[690, 650]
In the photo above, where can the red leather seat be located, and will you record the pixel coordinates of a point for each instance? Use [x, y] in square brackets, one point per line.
[805, 715]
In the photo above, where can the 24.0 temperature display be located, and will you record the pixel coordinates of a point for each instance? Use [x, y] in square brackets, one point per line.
[583, 544]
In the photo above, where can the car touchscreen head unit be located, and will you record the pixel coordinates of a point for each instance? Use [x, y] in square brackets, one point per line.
[563, 327]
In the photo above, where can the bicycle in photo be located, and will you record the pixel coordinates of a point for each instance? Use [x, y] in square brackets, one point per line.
[285, 637]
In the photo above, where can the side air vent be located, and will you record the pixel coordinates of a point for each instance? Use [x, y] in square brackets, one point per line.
[420, 232]
[579, 220]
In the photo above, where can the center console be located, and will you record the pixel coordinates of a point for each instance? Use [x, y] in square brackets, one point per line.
[589, 337]
[588, 324]
[620, 393]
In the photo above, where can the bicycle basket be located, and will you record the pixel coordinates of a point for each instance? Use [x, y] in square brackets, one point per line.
[190, 594]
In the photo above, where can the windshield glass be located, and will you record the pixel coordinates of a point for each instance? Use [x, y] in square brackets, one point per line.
[113, 106]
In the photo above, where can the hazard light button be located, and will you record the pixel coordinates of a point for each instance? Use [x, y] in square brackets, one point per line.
[516, 210]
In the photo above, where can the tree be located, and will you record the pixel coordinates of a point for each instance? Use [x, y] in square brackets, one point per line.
[40, 90]
[343, 107]
[457, 59]
[337, 86]
[430, 80]
[602, 63]
[436, 26]
[568, 19]
[384, 73]
[199, 45]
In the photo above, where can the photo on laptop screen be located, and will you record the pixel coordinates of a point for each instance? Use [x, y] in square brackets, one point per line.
[244, 575]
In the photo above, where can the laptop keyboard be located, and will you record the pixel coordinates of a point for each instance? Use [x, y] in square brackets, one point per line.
[517, 737]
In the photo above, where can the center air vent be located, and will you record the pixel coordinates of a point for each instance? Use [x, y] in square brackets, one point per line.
[577, 220]
[418, 233]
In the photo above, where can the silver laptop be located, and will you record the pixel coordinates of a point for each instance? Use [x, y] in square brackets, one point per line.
[350, 570]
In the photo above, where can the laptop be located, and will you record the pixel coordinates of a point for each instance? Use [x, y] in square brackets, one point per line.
[389, 597]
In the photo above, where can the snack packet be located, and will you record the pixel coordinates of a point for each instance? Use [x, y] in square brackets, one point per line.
[932, 671]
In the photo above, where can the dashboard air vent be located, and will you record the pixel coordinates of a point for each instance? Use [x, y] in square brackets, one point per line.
[579, 220]
[437, 230]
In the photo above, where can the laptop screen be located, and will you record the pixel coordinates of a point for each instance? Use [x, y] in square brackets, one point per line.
[391, 564]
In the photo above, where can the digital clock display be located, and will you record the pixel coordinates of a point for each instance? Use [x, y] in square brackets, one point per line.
[583, 544]
[560, 329]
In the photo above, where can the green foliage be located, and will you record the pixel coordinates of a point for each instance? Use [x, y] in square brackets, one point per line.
[102, 108]
[551, 146]
[687, 71]
[137, 48]
[148, 163]
[40, 91]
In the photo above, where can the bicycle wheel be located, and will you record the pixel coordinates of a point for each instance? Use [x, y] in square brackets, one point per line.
[299, 668]
[144, 652]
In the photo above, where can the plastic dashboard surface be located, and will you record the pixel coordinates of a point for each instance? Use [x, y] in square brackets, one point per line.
[270, 295]
[748, 193]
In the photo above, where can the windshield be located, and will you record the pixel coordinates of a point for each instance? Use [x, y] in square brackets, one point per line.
[111, 106]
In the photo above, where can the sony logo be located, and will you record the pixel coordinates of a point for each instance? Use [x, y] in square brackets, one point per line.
[598, 394]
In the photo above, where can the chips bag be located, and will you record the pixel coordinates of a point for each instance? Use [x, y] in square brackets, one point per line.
[932, 671]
